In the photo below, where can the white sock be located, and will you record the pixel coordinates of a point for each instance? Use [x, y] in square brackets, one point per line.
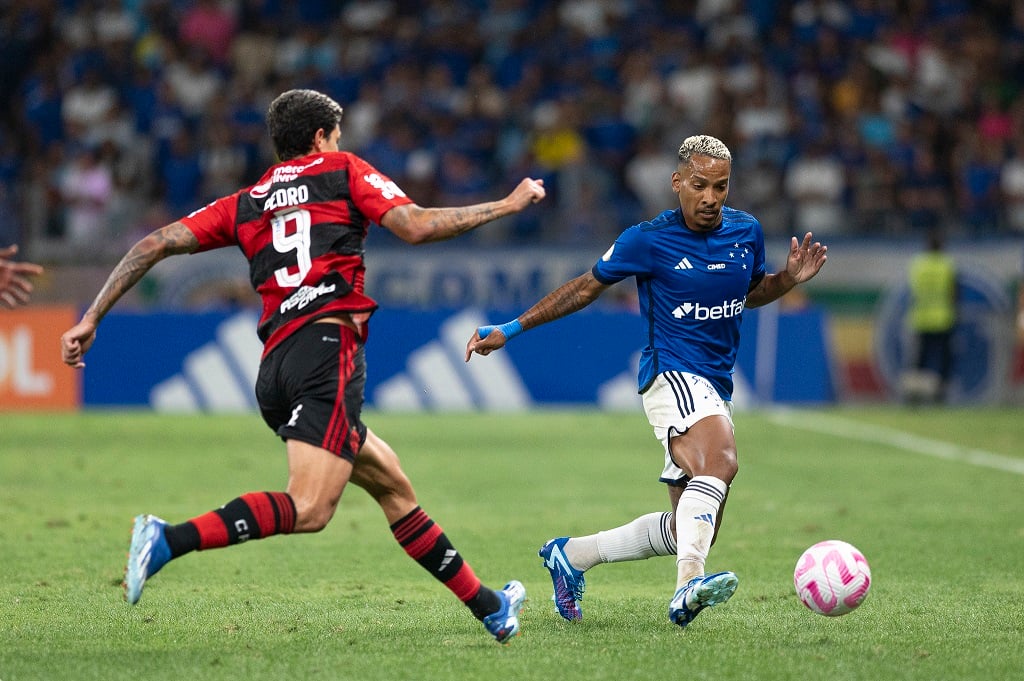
[695, 524]
[582, 552]
[649, 535]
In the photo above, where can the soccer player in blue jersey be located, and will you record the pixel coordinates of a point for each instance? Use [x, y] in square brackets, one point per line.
[696, 268]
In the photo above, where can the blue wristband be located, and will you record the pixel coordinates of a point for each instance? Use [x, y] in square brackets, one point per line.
[509, 329]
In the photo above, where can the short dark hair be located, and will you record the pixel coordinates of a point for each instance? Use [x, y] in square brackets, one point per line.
[294, 117]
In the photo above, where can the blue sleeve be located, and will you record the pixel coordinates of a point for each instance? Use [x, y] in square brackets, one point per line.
[628, 257]
[759, 266]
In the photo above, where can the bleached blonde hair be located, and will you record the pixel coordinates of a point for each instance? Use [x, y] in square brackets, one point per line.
[703, 145]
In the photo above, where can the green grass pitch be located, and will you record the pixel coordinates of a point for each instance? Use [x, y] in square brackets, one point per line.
[933, 497]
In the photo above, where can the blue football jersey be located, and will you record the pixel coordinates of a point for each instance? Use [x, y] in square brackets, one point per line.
[692, 287]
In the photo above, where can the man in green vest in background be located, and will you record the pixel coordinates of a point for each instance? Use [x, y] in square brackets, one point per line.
[932, 317]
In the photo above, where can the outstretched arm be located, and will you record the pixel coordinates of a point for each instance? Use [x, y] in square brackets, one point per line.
[571, 296]
[805, 260]
[172, 239]
[417, 225]
[15, 287]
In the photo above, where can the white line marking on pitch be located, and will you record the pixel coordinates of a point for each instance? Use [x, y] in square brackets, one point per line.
[891, 437]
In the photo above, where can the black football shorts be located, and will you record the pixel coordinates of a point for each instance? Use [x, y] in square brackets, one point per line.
[310, 388]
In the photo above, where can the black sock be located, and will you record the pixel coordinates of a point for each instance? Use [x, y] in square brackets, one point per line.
[485, 603]
[182, 539]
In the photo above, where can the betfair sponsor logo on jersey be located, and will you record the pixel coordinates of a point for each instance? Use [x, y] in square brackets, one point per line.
[703, 313]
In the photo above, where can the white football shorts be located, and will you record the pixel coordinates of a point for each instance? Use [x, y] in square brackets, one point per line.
[675, 401]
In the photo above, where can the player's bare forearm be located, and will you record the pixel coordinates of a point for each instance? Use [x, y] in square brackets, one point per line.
[441, 224]
[571, 296]
[564, 300]
[418, 225]
[151, 249]
[170, 240]
[769, 289]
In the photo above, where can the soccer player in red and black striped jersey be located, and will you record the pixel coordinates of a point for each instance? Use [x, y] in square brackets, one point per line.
[302, 228]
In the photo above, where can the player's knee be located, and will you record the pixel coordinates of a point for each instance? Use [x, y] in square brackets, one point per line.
[724, 465]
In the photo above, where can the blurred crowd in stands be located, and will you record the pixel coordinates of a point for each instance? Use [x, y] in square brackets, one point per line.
[873, 118]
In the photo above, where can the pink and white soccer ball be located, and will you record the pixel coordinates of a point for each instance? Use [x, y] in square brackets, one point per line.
[832, 578]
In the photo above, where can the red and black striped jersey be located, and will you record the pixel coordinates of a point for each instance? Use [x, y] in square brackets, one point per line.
[302, 228]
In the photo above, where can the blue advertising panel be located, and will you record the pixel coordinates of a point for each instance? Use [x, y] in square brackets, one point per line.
[173, 361]
[416, 361]
[786, 356]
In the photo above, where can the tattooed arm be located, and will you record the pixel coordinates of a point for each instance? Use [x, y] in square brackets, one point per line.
[417, 225]
[170, 240]
[571, 296]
